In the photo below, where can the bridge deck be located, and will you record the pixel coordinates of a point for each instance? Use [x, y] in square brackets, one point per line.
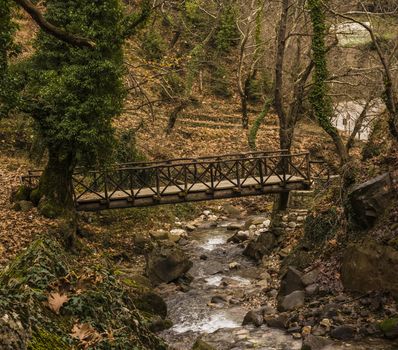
[186, 179]
[197, 192]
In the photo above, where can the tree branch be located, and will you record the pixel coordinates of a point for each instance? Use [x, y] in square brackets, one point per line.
[51, 29]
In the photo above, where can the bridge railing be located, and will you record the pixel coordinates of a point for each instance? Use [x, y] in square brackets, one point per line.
[182, 177]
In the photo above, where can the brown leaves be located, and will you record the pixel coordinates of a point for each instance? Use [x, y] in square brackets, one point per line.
[86, 334]
[56, 300]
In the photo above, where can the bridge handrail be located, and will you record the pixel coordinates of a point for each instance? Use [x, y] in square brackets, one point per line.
[37, 172]
[204, 162]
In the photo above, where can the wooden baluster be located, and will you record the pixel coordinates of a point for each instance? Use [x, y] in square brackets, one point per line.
[212, 177]
[106, 186]
[237, 174]
[157, 182]
[260, 170]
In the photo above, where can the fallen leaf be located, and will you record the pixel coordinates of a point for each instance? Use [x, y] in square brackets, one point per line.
[56, 300]
[84, 332]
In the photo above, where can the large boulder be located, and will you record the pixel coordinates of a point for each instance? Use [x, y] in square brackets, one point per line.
[263, 245]
[292, 301]
[368, 201]
[151, 303]
[291, 281]
[166, 263]
[370, 266]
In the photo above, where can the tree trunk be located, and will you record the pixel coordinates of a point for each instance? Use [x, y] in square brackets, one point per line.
[174, 115]
[245, 115]
[56, 192]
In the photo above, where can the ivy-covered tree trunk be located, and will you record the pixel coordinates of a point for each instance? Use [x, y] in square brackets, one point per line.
[72, 94]
[319, 98]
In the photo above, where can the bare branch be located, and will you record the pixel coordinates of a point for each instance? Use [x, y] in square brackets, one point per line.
[51, 29]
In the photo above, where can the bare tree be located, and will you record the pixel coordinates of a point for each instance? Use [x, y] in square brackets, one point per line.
[387, 56]
[249, 55]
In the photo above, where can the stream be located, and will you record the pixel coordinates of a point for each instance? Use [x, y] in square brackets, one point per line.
[219, 322]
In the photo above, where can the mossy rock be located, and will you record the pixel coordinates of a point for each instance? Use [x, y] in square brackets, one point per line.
[389, 327]
[35, 196]
[201, 345]
[48, 210]
[22, 194]
[151, 303]
[157, 324]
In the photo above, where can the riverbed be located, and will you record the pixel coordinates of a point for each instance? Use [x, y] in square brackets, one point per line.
[215, 303]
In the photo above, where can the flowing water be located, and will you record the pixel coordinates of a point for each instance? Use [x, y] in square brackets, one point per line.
[220, 324]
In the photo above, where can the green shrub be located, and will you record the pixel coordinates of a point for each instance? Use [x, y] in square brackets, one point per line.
[220, 86]
[153, 45]
[227, 34]
[259, 86]
[126, 150]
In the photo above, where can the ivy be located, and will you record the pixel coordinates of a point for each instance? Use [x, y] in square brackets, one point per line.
[319, 99]
[73, 93]
[7, 49]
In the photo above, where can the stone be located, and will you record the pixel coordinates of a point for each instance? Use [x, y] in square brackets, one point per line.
[206, 212]
[343, 333]
[201, 345]
[218, 299]
[267, 223]
[366, 202]
[190, 227]
[166, 264]
[312, 342]
[235, 226]
[25, 206]
[253, 317]
[234, 265]
[312, 289]
[389, 327]
[263, 245]
[280, 321]
[291, 281]
[158, 324]
[370, 266]
[291, 301]
[306, 330]
[159, 235]
[151, 303]
[262, 283]
[231, 211]
[176, 234]
[292, 224]
[267, 310]
[240, 236]
[203, 257]
[330, 310]
[310, 277]
[326, 323]
[296, 335]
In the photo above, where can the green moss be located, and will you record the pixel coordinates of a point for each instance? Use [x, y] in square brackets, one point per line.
[23, 194]
[35, 196]
[389, 325]
[43, 340]
[131, 283]
[49, 210]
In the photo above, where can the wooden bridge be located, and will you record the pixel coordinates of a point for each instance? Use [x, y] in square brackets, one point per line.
[186, 180]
